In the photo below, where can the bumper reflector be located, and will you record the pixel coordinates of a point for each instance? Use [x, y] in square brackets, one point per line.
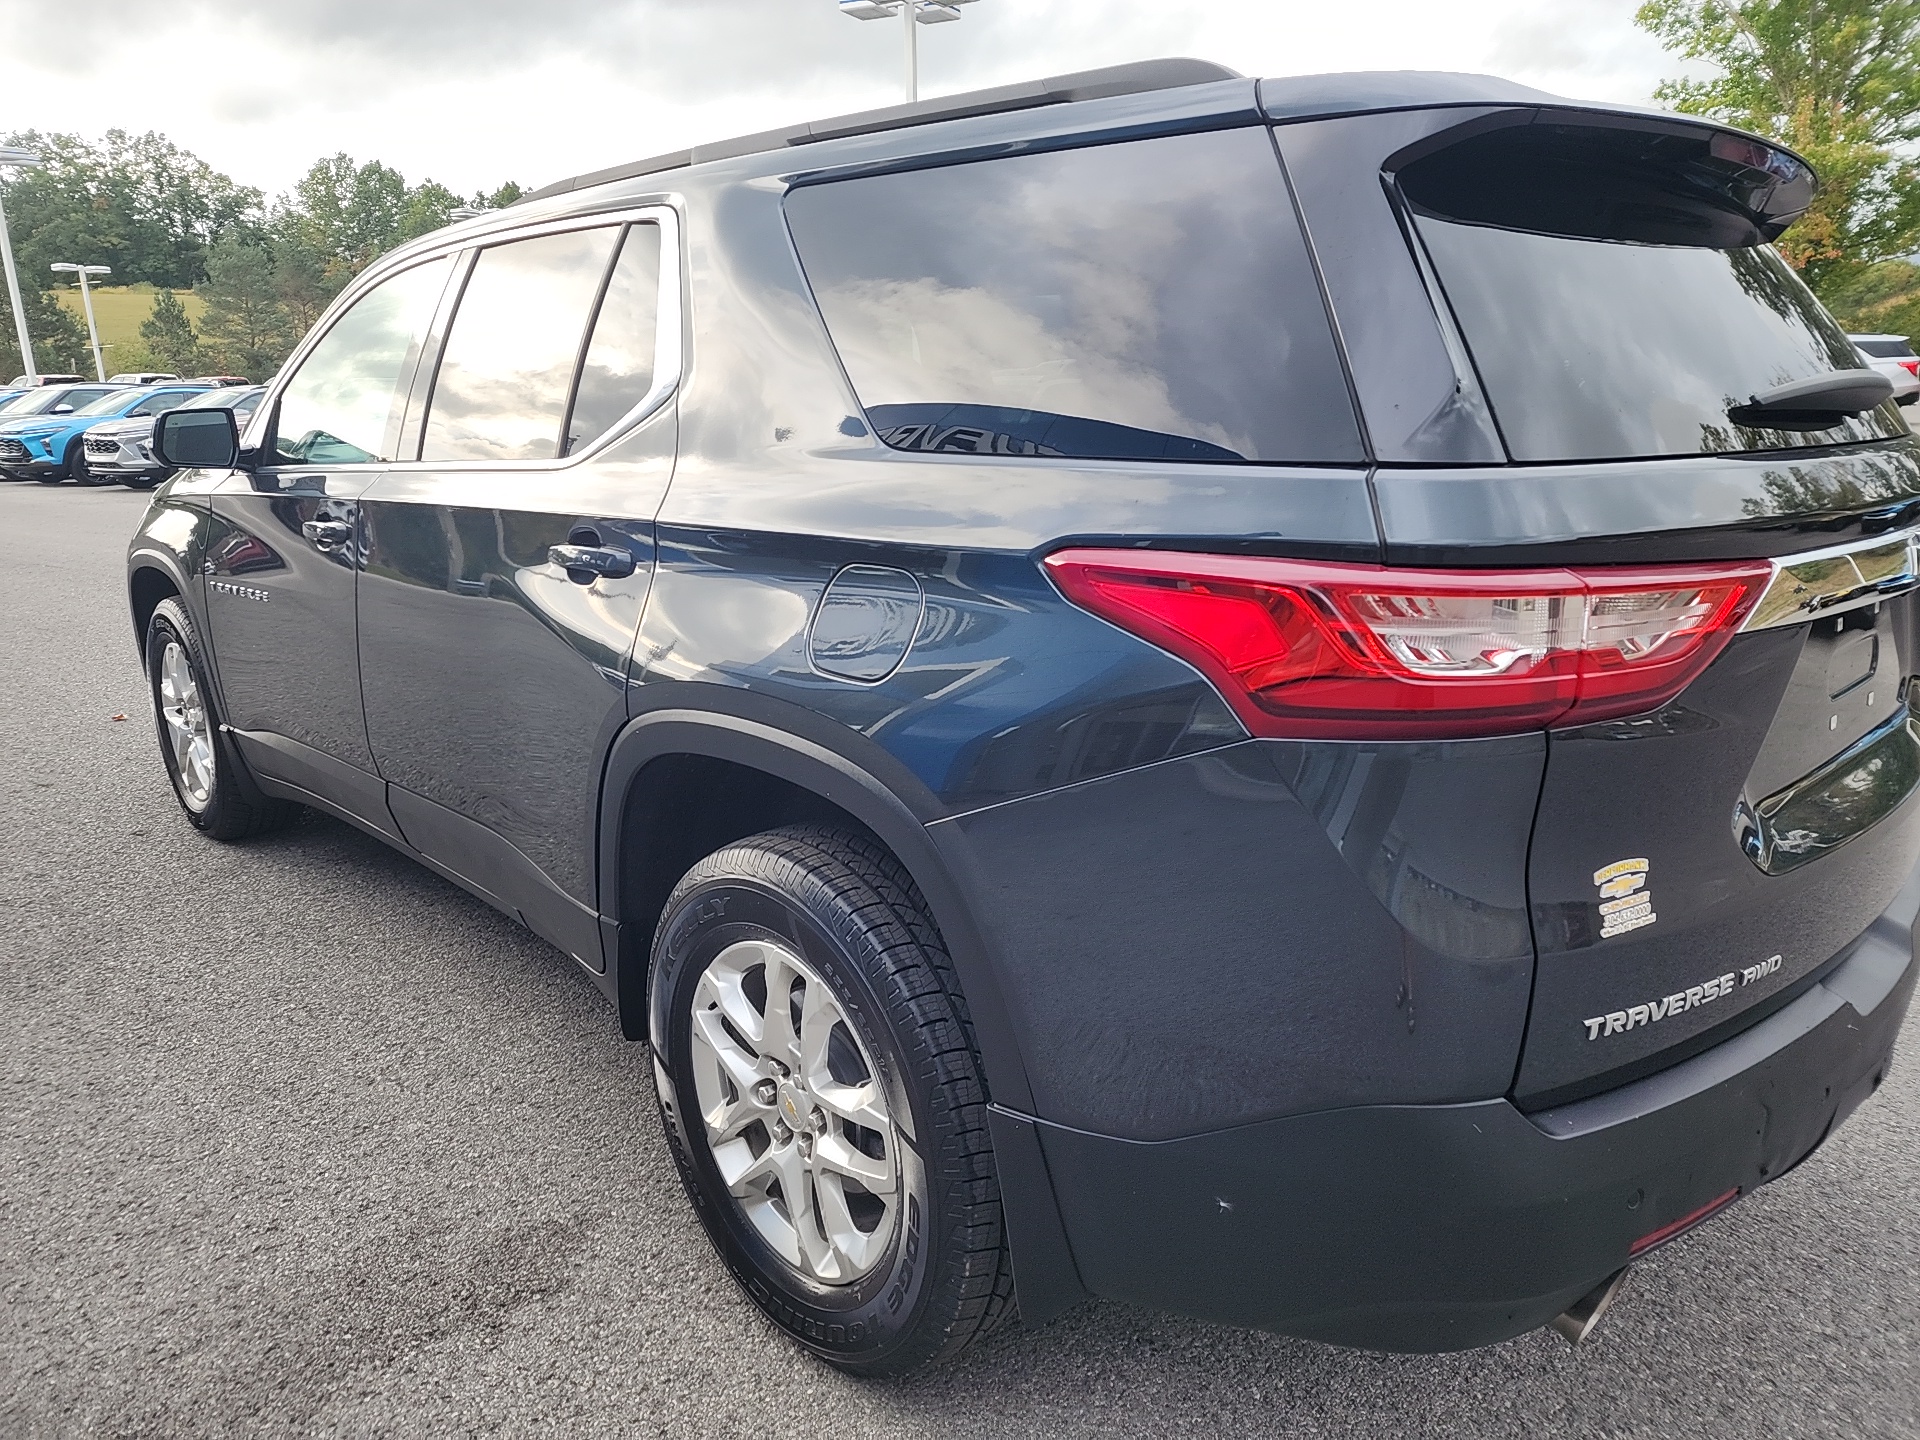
[1685, 1223]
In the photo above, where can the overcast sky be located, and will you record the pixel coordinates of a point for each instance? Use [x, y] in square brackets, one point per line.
[474, 92]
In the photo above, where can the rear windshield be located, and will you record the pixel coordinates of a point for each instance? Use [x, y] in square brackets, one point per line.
[1596, 342]
[1151, 300]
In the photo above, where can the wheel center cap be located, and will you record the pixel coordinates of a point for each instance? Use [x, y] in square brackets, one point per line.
[793, 1105]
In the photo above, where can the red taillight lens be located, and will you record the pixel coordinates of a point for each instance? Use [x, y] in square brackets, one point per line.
[1307, 648]
[1912, 367]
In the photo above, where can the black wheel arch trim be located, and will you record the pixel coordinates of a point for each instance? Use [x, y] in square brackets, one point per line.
[152, 557]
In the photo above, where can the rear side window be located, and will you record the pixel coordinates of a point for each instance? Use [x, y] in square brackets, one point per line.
[509, 359]
[1143, 301]
[1617, 293]
[1882, 348]
[618, 369]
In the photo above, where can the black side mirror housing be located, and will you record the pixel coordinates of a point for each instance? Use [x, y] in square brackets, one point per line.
[197, 439]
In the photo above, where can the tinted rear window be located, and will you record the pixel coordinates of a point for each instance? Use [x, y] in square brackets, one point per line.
[1886, 349]
[1142, 301]
[1595, 348]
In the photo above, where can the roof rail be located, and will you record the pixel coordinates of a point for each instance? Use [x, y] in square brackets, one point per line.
[1134, 79]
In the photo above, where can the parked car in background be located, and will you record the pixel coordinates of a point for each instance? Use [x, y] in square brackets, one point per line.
[49, 446]
[1893, 357]
[23, 380]
[9, 393]
[142, 377]
[121, 451]
[222, 380]
[1102, 745]
[50, 400]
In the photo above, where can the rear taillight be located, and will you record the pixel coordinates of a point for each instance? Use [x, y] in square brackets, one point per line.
[1912, 367]
[1312, 649]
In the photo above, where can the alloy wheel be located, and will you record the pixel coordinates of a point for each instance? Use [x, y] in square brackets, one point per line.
[795, 1115]
[189, 735]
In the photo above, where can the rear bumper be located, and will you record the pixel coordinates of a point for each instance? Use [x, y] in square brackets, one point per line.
[1440, 1227]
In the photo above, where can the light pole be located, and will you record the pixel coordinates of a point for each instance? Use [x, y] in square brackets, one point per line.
[86, 300]
[910, 12]
[11, 156]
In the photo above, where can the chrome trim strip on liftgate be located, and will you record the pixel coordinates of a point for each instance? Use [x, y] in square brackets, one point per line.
[1838, 579]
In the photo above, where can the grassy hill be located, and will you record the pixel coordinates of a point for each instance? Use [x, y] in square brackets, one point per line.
[118, 311]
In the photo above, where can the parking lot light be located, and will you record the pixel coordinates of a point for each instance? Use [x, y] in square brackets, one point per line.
[911, 12]
[22, 158]
[86, 301]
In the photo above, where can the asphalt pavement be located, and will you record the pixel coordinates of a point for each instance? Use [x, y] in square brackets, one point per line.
[295, 1137]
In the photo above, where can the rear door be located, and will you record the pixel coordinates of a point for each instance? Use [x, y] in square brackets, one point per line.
[1626, 319]
[494, 672]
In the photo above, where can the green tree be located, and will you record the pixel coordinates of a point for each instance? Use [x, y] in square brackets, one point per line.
[59, 337]
[302, 278]
[136, 202]
[1838, 81]
[168, 334]
[245, 329]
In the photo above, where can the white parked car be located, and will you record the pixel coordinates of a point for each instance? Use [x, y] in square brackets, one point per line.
[1893, 357]
[141, 377]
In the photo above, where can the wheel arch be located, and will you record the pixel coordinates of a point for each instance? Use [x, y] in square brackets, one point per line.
[149, 581]
[807, 771]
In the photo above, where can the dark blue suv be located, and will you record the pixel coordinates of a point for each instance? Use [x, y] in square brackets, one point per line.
[1284, 699]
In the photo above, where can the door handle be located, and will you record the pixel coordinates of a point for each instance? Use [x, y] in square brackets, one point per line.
[327, 534]
[585, 564]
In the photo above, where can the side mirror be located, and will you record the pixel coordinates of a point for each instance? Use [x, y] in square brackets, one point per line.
[61, 410]
[197, 439]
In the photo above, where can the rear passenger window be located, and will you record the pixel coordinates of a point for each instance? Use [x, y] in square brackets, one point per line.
[1143, 301]
[343, 405]
[618, 370]
[509, 359]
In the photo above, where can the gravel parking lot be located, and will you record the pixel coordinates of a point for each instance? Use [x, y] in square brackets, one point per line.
[299, 1138]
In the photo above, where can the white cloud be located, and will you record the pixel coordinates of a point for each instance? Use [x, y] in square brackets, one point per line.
[472, 92]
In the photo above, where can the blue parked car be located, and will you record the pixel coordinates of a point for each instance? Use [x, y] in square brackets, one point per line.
[40, 433]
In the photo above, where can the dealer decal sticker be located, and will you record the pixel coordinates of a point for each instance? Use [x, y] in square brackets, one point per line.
[1625, 902]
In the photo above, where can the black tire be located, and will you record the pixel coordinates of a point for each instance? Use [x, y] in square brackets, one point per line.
[850, 912]
[141, 482]
[229, 805]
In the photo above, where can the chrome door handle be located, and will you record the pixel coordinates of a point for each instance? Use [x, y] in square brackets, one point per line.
[327, 534]
[585, 564]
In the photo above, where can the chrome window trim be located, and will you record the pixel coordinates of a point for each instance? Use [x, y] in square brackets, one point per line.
[668, 346]
[1839, 578]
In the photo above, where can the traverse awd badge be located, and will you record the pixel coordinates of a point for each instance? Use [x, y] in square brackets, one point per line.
[1625, 903]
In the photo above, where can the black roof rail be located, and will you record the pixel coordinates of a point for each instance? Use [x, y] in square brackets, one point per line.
[1134, 79]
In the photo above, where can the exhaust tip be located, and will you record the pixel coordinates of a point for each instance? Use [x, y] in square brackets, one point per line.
[1579, 1320]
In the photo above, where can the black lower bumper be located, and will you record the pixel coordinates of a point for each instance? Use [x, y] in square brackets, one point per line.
[1440, 1227]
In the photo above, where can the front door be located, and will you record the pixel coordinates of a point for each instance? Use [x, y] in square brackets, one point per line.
[494, 670]
[282, 569]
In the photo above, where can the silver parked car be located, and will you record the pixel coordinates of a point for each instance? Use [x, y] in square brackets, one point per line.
[1893, 357]
[121, 451]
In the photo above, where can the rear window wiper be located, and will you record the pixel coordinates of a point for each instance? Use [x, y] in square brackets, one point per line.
[1816, 404]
